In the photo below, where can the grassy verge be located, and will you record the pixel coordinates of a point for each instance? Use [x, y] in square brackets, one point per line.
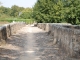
[27, 21]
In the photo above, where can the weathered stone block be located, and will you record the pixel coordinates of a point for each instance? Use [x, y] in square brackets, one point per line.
[67, 36]
[9, 29]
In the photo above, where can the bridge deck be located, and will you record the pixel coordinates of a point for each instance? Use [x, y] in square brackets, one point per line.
[31, 43]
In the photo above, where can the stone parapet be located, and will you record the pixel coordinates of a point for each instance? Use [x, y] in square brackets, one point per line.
[67, 36]
[9, 29]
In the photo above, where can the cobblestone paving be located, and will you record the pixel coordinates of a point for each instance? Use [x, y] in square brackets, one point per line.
[31, 43]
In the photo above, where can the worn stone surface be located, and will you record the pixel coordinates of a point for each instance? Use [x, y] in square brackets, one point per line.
[31, 43]
[9, 29]
[65, 35]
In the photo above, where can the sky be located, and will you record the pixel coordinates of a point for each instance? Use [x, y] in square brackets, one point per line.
[21, 3]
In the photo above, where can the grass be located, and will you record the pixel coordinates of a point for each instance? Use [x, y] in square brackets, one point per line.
[27, 21]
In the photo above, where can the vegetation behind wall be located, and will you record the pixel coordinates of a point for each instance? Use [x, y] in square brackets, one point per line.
[57, 11]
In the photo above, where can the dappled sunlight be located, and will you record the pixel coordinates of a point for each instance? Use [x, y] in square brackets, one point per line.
[31, 43]
[30, 30]
[10, 46]
[10, 57]
[34, 29]
[29, 51]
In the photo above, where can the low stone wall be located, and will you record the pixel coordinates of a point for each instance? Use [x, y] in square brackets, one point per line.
[9, 29]
[67, 36]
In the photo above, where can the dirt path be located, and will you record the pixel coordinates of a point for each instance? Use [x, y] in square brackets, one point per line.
[30, 43]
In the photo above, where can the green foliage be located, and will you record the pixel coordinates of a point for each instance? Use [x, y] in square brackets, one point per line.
[27, 21]
[4, 12]
[15, 10]
[26, 13]
[57, 11]
[16, 13]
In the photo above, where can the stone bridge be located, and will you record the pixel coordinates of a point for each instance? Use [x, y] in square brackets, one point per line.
[44, 41]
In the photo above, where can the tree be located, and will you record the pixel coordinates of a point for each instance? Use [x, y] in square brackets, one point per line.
[15, 10]
[4, 12]
[26, 13]
[57, 11]
[48, 10]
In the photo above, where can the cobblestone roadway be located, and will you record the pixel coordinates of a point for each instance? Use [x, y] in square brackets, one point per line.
[31, 43]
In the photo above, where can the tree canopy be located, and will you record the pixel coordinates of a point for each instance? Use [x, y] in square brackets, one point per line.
[57, 11]
[26, 13]
[15, 11]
